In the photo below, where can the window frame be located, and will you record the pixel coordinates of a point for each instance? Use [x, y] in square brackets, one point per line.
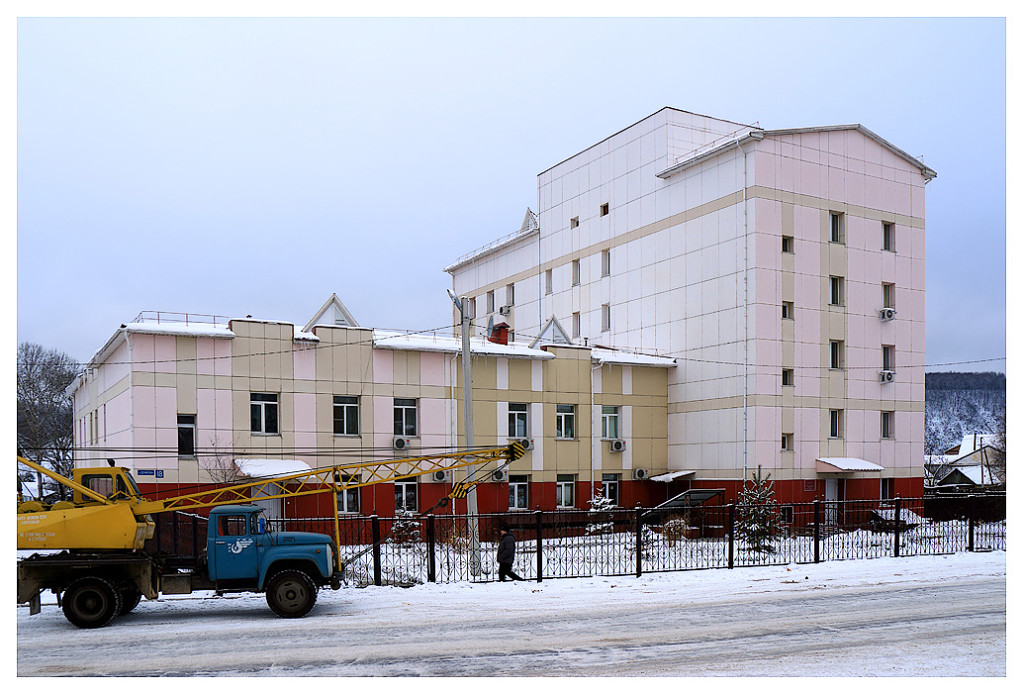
[577, 326]
[889, 236]
[836, 290]
[405, 409]
[787, 311]
[788, 376]
[887, 425]
[549, 282]
[349, 497]
[889, 358]
[577, 272]
[787, 441]
[574, 222]
[837, 227]
[518, 484]
[565, 485]
[606, 318]
[521, 415]
[788, 244]
[490, 301]
[610, 486]
[610, 415]
[606, 263]
[406, 485]
[190, 428]
[835, 423]
[564, 418]
[836, 356]
[888, 295]
[265, 405]
[510, 294]
[350, 403]
[605, 209]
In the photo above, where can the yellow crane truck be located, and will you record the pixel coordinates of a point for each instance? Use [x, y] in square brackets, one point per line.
[99, 568]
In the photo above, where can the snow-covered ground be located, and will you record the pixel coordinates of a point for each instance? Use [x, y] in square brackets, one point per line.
[914, 616]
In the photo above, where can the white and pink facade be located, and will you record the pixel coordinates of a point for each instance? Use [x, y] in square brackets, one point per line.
[760, 260]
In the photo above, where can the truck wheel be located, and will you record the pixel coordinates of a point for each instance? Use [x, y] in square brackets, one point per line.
[91, 602]
[291, 593]
[129, 600]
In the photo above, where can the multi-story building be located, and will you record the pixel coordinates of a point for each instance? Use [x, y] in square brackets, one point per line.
[202, 400]
[783, 269]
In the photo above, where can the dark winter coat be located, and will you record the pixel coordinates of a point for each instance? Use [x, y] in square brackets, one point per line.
[507, 549]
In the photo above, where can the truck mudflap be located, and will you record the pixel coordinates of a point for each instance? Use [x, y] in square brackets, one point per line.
[337, 579]
[35, 604]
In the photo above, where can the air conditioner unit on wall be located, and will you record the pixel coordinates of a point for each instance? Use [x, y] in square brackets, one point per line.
[640, 474]
[527, 444]
[887, 314]
[617, 445]
[441, 476]
[499, 476]
[401, 443]
[505, 310]
[886, 376]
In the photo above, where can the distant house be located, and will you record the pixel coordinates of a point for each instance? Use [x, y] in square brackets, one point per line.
[972, 465]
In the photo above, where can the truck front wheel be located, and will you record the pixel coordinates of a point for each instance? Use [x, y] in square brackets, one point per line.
[291, 593]
[91, 602]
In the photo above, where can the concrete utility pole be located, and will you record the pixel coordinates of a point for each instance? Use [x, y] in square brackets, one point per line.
[467, 409]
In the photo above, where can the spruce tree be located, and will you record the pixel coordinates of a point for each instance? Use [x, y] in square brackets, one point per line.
[758, 520]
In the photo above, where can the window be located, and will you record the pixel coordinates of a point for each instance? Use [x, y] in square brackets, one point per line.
[787, 244]
[787, 441]
[786, 514]
[836, 287]
[405, 417]
[835, 354]
[517, 420]
[606, 318]
[565, 490]
[610, 486]
[604, 209]
[472, 307]
[787, 310]
[186, 435]
[405, 494]
[609, 422]
[574, 223]
[348, 500]
[231, 525]
[510, 294]
[263, 413]
[346, 415]
[518, 492]
[548, 283]
[787, 377]
[835, 424]
[888, 295]
[888, 422]
[888, 236]
[576, 324]
[490, 302]
[888, 488]
[836, 235]
[606, 263]
[576, 272]
[889, 357]
[565, 422]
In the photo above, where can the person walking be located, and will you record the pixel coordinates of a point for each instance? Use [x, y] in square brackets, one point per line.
[507, 555]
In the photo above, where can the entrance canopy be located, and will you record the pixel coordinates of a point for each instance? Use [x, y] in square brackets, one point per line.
[845, 465]
[270, 468]
[669, 477]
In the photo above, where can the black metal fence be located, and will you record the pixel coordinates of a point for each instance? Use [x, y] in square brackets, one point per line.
[407, 550]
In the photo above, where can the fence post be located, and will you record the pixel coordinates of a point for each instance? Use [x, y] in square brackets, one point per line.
[431, 560]
[540, 542]
[195, 536]
[639, 547]
[732, 535]
[375, 534]
[817, 531]
[970, 524]
[175, 547]
[896, 529]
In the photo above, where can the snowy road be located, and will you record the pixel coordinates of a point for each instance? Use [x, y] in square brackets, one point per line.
[912, 616]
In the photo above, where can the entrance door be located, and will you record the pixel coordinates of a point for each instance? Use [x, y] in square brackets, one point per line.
[831, 497]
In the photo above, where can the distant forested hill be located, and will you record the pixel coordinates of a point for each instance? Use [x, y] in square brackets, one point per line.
[959, 403]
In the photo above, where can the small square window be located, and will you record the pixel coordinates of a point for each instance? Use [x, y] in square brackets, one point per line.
[889, 357]
[787, 310]
[604, 209]
[574, 223]
[787, 441]
[888, 236]
[787, 377]
[787, 244]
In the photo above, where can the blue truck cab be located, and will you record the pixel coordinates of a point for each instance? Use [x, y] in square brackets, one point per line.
[242, 554]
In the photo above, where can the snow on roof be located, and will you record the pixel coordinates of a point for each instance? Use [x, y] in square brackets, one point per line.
[973, 442]
[270, 468]
[669, 477]
[392, 340]
[606, 356]
[201, 330]
[303, 335]
[844, 465]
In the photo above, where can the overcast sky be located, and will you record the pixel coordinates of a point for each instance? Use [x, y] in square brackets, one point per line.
[233, 167]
